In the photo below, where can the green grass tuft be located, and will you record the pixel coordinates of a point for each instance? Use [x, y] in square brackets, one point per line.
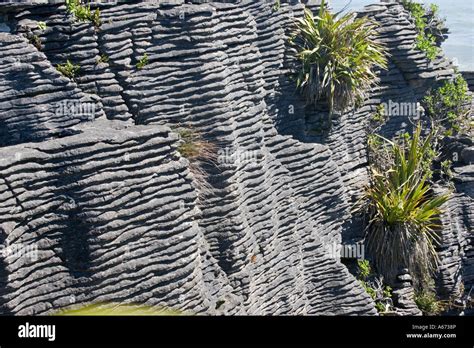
[103, 58]
[142, 61]
[68, 69]
[42, 25]
[427, 302]
[200, 153]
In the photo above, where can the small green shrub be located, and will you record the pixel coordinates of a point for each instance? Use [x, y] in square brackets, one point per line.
[68, 69]
[95, 18]
[374, 142]
[276, 5]
[103, 58]
[364, 269]
[446, 171]
[380, 293]
[142, 61]
[427, 44]
[448, 106]
[427, 302]
[403, 213]
[338, 58]
[42, 25]
[418, 13]
[368, 289]
[428, 25]
[34, 40]
[379, 115]
[83, 12]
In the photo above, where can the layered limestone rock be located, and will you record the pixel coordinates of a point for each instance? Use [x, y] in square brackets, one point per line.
[456, 251]
[404, 296]
[113, 208]
[469, 77]
[409, 76]
[102, 201]
[106, 215]
[34, 94]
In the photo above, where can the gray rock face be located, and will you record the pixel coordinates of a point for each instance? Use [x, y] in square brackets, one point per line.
[111, 209]
[467, 155]
[409, 77]
[464, 222]
[456, 271]
[469, 77]
[105, 215]
[403, 295]
[33, 95]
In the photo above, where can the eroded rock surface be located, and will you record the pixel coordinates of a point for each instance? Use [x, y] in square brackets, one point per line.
[114, 210]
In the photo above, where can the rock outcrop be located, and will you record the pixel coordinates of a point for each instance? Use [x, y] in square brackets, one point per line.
[110, 207]
[403, 295]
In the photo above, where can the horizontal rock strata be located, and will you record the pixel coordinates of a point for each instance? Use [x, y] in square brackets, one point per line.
[115, 211]
[110, 196]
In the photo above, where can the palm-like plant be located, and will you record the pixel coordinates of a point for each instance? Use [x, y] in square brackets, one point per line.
[338, 57]
[404, 214]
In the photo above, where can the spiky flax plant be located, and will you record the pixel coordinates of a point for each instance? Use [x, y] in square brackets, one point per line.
[404, 212]
[338, 56]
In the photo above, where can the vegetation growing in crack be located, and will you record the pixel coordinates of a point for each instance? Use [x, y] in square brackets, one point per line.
[68, 69]
[427, 44]
[446, 172]
[276, 5]
[374, 286]
[103, 58]
[192, 145]
[427, 302]
[430, 304]
[199, 153]
[338, 58]
[142, 62]
[448, 106]
[83, 12]
[403, 211]
[379, 115]
[42, 25]
[34, 40]
[428, 25]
